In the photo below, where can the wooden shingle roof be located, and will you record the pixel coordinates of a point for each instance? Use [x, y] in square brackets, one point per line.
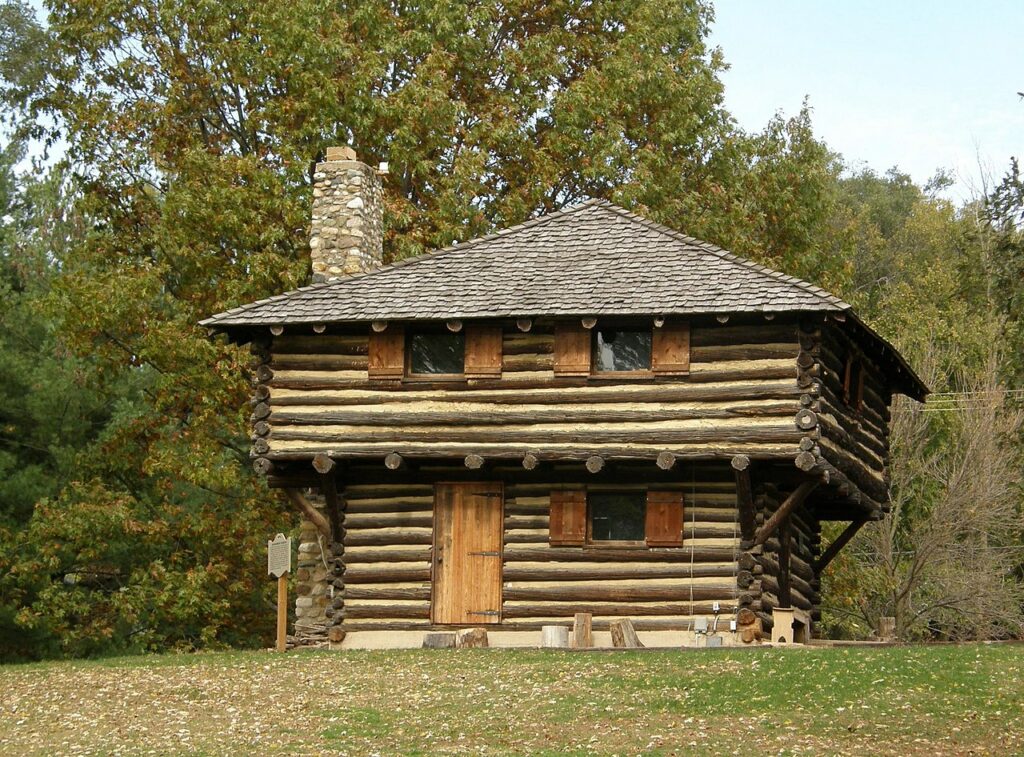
[592, 259]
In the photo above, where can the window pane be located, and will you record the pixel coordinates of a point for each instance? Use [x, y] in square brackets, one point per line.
[617, 516]
[437, 352]
[622, 350]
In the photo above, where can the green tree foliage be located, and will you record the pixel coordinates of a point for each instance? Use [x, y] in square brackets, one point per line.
[942, 562]
[192, 129]
[1005, 214]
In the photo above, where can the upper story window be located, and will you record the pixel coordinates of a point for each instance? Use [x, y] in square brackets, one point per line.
[622, 350]
[450, 351]
[853, 383]
[632, 351]
[437, 353]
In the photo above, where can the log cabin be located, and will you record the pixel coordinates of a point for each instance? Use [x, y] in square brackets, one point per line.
[585, 413]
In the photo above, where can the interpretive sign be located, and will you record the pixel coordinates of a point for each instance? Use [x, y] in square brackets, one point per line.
[279, 556]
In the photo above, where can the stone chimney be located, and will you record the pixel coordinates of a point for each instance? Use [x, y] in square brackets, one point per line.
[346, 236]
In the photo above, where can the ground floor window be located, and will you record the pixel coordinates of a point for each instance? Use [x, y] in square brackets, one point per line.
[610, 518]
[617, 516]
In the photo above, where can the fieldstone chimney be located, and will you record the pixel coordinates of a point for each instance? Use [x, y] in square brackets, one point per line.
[346, 236]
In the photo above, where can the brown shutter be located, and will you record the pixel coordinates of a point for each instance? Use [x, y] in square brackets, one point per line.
[568, 522]
[664, 525]
[387, 353]
[483, 350]
[572, 350]
[670, 350]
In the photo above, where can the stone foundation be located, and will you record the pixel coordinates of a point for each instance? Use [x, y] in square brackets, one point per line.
[312, 583]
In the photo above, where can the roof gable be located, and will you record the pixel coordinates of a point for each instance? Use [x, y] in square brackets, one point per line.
[592, 259]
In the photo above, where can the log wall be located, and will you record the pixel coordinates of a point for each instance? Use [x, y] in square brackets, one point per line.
[388, 557]
[740, 397]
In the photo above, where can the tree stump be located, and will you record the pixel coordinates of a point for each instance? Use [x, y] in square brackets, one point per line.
[439, 641]
[624, 635]
[471, 638]
[582, 630]
[887, 629]
[554, 637]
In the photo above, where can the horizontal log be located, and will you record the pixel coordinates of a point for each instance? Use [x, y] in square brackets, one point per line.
[780, 333]
[385, 506]
[385, 591]
[354, 522]
[403, 610]
[356, 344]
[485, 415]
[519, 553]
[517, 394]
[539, 571]
[668, 433]
[318, 362]
[512, 610]
[383, 536]
[637, 592]
[699, 373]
[377, 573]
[691, 532]
[369, 554]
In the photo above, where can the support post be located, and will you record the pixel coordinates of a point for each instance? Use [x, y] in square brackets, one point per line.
[744, 497]
[282, 612]
[785, 550]
[792, 502]
[329, 487]
[313, 515]
[838, 543]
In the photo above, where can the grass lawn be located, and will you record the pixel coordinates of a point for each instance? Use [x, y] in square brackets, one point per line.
[911, 700]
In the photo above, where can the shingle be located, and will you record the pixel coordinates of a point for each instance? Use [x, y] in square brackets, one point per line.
[592, 258]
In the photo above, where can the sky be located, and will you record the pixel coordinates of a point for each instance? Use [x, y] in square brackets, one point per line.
[918, 85]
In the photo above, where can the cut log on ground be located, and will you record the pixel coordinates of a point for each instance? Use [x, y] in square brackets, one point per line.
[471, 638]
[624, 635]
[582, 630]
[554, 637]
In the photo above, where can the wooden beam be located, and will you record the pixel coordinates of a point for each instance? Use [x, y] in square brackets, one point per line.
[792, 502]
[329, 488]
[474, 461]
[595, 463]
[744, 497]
[785, 551]
[530, 461]
[323, 463]
[666, 460]
[311, 514]
[838, 543]
[394, 461]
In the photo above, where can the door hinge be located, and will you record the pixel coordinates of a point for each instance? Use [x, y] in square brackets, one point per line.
[485, 494]
[483, 612]
[486, 554]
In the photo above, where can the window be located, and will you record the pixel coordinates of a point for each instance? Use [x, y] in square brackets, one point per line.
[617, 516]
[437, 353]
[632, 352]
[621, 350]
[853, 383]
[613, 518]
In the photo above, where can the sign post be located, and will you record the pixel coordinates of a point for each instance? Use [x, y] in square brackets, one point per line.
[279, 563]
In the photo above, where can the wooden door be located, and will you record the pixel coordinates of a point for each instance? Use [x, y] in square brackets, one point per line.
[468, 521]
